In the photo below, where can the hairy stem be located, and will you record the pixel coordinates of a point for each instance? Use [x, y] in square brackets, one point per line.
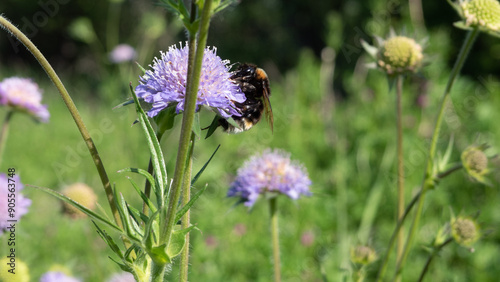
[72, 109]
[433, 254]
[401, 176]
[187, 123]
[273, 208]
[186, 196]
[429, 178]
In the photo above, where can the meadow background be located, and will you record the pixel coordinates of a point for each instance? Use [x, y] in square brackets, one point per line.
[330, 111]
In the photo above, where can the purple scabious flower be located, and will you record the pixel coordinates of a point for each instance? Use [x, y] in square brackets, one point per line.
[122, 53]
[57, 276]
[270, 172]
[122, 277]
[22, 203]
[165, 84]
[23, 94]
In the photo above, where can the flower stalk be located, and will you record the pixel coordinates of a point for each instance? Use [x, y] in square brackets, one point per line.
[186, 196]
[273, 208]
[72, 109]
[429, 177]
[401, 177]
[187, 123]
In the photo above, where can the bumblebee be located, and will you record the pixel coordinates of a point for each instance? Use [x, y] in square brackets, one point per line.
[254, 83]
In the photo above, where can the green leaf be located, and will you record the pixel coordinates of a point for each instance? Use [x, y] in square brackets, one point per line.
[177, 241]
[462, 25]
[165, 119]
[213, 126]
[144, 198]
[83, 209]
[195, 178]
[142, 172]
[121, 206]
[159, 255]
[150, 233]
[111, 243]
[129, 101]
[371, 50]
[187, 206]
[142, 69]
[196, 125]
[123, 267]
[153, 144]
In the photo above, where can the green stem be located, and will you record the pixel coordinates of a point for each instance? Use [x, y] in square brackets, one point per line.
[401, 177]
[450, 171]
[187, 123]
[433, 254]
[72, 109]
[392, 241]
[428, 182]
[5, 132]
[157, 272]
[186, 196]
[273, 208]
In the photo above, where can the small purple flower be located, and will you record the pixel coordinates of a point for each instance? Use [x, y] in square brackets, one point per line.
[270, 172]
[122, 53]
[57, 276]
[23, 94]
[22, 203]
[165, 84]
[122, 277]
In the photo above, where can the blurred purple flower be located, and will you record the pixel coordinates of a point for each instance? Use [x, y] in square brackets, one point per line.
[22, 203]
[23, 94]
[270, 172]
[57, 276]
[122, 53]
[122, 277]
[165, 84]
[307, 238]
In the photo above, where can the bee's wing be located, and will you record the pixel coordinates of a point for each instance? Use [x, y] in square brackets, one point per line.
[268, 109]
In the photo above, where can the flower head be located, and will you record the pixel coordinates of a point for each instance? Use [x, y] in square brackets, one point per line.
[23, 95]
[82, 194]
[57, 276]
[481, 14]
[465, 231]
[271, 172]
[22, 273]
[165, 85]
[475, 162]
[396, 55]
[362, 254]
[122, 53]
[22, 203]
[122, 277]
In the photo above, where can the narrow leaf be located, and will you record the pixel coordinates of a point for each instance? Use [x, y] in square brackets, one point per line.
[187, 206]
[83, 209]
[195, 178]
[153, 144]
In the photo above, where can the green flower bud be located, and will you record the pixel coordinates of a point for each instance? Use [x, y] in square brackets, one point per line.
[81, 193]
[475, 162]
[363, 255]
[399, 55]
[482, 13]
[465, 231]
[21, 271]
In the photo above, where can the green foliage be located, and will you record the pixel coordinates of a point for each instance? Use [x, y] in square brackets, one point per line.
[341, 126]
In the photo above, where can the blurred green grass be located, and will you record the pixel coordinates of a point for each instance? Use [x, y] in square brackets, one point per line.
[341, 138]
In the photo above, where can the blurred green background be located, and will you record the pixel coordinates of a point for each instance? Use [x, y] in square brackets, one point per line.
[330, 111]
